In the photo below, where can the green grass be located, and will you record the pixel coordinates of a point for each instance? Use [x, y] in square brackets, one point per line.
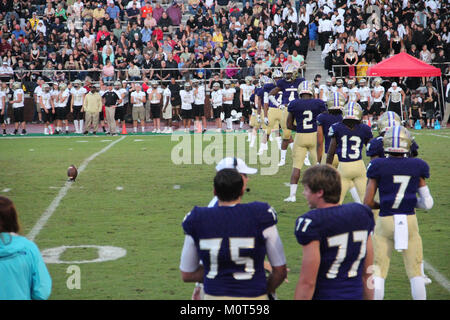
[145, 216]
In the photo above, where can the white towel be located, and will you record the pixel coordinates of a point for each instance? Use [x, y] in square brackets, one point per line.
[400, 232]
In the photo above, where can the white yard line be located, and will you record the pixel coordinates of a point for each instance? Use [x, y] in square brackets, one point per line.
[430, 134]
[442, 280]
[62, 193]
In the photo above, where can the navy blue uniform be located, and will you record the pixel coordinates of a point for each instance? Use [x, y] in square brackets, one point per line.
[326, 120]
[289, 89]
[342, 232]
[376, 148]
[267, 88]
[231, 246]
[306, 113]
[398, 183]
[350, 141]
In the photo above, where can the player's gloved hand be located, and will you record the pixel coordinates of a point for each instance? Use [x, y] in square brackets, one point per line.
[266, 121]
[259, 119]
[282, 107]
[253, 112]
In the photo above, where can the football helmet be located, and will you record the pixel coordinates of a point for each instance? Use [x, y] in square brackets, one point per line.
[387, 120]
[339, 83]
[216, 85]
[62, 86]
[227, 82]
[306, 87]
[77, 83]
[45, 87]
[377, 81]
[397, 140]
[264, 80]
[154, 83]
[187, 85]
[290, 72]
[336, 101]
[351, 83]
[352, 110]
[362, 82]
[117, 84]
[277, 74]
[16, 85]
[248, 80]
[194, 82]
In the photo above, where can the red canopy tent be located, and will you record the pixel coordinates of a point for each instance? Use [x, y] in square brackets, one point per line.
[403, 65]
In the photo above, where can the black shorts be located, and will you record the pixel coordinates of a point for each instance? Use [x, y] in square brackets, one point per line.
[155, 109]
[60, 113]
[376, 108]
[101, 114]
[198, 110]
[247, 110]
[18, 114]
[47, 117]
[77, 114]
[186, 114]
[216, 112]
[227, 110]
[364, 105]
[429, 114]
[2, 118]
[120, 114]
[395, 107]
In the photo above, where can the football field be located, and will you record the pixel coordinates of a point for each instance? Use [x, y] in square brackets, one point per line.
[117, 232]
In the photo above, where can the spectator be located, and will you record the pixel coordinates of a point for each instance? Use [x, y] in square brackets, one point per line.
[23, 273]
[175, 13]
[158, 12]
[108, 72]
[165, 22]
[112, 10]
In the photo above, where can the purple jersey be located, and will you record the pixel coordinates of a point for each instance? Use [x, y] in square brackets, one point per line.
[398, 182]
[305, 112]
[325, 120]
[289, 89]
[232, 247]
[350, 141]
[342, 232]
[267, 88]
[375, 148]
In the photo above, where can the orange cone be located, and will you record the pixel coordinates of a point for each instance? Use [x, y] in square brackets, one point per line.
[124, 128]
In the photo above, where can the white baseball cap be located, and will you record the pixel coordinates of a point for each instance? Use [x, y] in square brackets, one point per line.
[235, 163]
[394, 84]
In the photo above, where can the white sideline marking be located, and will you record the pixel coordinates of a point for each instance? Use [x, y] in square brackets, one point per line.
[31, 149]
[106, 140]
[177, 187]
[437, 276]
[119, 188]
[62, 193]
[138, 140]
[6, 190]
[82, 141]
[431, 134]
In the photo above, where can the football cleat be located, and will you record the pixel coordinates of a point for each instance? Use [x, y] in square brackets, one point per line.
[282, 162]
[290, 199]
[387, 120]
[397, 140]
[306, 162]
[352, 110]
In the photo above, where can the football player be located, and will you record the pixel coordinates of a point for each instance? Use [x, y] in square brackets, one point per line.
[395, 97]
[273, 109]
[246, 91]
[255, 120]
[78, 92]
[137, 100]
[336, 241]
[3, 116]
[364, 100]
[347, 140]
[216, 102]
[398, 179]
[47, 107]
[154, 94]
[60, 108]
[289, 87]
[335, 106]
[227, 98]
[305, 112]
[232, 240]
[199, 105]
[341, 88]
[187, 99]
[377, 107]
[121, 109]
[326, 90]
[353, 91]
[263, 82]
[18, 107]
[415, 110]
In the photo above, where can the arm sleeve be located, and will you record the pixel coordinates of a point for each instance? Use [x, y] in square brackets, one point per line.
[41, 282]
[274, 247]
[189, 255]
[425, 200]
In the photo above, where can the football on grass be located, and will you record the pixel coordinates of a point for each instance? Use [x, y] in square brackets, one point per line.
[72, 173]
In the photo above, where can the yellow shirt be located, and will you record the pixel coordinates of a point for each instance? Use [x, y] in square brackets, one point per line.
[92, 102]
[218, 38]
[34, 23]
[361, 69]
[99, 13]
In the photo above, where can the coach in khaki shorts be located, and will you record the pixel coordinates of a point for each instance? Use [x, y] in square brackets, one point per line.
[92, 106]
[138, 112]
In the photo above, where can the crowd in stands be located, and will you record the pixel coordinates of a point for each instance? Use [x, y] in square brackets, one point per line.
[134, 40]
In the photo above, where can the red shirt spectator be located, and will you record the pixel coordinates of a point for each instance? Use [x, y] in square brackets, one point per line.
[101, 33]
[147, 9]
[158, 33]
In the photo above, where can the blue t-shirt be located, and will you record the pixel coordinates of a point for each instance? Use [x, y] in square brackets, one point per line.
[342, 232]
[232, 247]
[350, 141]
[305, 112]
[398, 182]
[289, 89]
[325, 120]
[375, 147]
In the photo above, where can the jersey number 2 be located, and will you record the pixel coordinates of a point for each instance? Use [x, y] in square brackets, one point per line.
[235, 244]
